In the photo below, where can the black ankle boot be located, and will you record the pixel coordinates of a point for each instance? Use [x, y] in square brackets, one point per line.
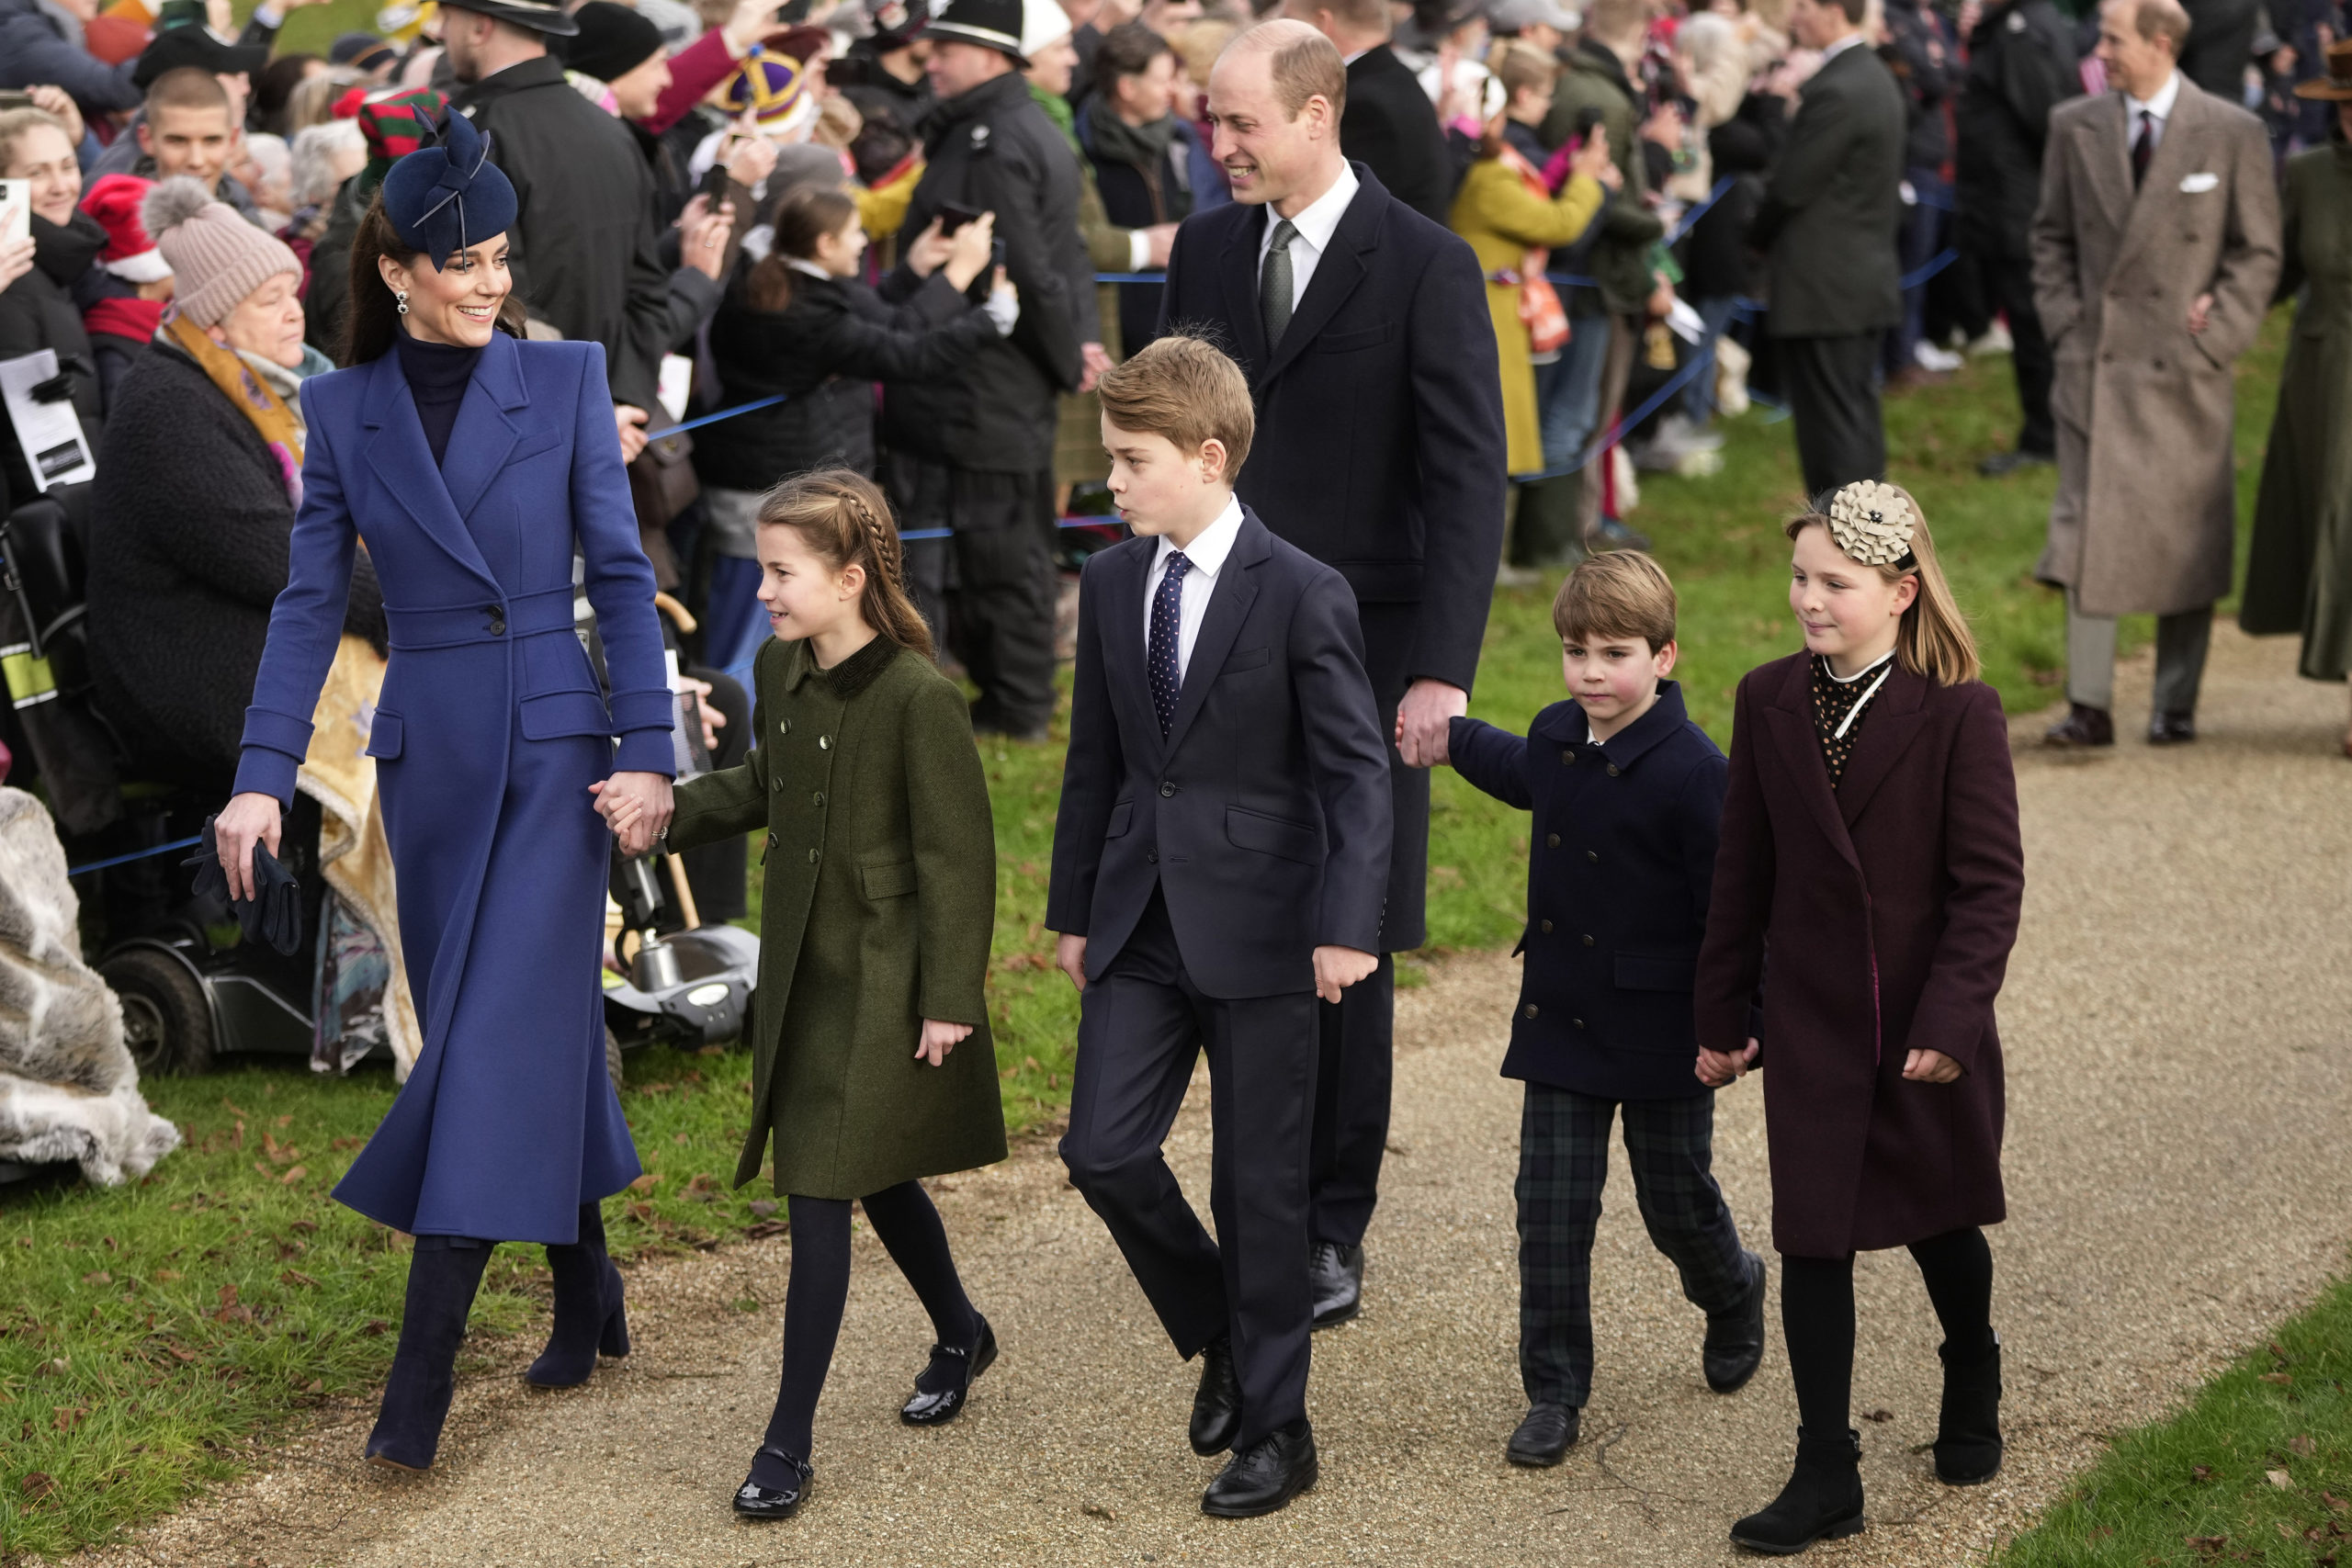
[1968, 1434]
[1823, 1500]
[588, 1316]
[444, 1272]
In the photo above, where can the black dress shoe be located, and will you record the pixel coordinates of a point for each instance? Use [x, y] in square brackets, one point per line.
[754, 1501]
[2083, 726]
[1335, 1280]
[1266, 1476]
[1823, 1500]
[1545, 1436]
[2171, 728]
[1734, 1344]
[2000, 465]
[953, 1368]
[1968, 1433]
[1216, 1408]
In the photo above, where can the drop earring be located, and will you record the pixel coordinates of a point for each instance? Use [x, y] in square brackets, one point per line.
[400, 298]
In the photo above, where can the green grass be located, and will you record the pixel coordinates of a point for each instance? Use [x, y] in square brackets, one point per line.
[153, 1336]
[2258, 1469]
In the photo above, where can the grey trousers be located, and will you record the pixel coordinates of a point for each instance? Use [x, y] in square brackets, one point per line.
[2182, 639]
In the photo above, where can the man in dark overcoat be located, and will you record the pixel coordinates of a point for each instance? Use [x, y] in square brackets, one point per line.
[1364, 330]
[1829, 225]
[1389, 126]
[974, 452]
[2022, 65]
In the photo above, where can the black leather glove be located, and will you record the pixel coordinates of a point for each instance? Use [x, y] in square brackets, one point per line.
[274, 914]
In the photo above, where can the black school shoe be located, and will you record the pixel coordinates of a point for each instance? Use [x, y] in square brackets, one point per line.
[1545, 1436]
[1263, 1478]
[953, 1368]
[1823, 1500]
[2172, 728]
[1217, 1405]
[1968, 1434]
[1335, 1281]
[754, 1501]
[1734, 1344]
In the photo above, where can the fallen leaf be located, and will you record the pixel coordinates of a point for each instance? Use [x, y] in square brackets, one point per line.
[307, 1227]
[37, 1485]
[178, 1354]
[766, 1229]
[1880, 1415]
[232, 1105]
[286, 1119]
[296, 1277]
[342, 1144]
[165, 1276]
[763, 1207]
[375, 1326]
[2279, 1479]
[313, 1386]
[2210, 1545]
[2281, 1379]
[1097, 1511]
[2304, 1446]
[97, 1277]
[647, 1182]
[2204, 1473]
[293, 1176]
[2340, 1504]
[69, 1416]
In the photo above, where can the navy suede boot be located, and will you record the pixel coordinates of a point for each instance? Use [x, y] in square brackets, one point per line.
[588, 1316]
[444, 1272]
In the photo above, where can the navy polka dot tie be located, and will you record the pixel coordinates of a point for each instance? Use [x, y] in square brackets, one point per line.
[1167, 622]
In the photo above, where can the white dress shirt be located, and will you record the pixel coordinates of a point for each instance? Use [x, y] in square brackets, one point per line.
[2158, 110]
[1315, 226]
[1841, 46]
[1207, 553]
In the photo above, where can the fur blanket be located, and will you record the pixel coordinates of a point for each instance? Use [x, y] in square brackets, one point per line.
[68, 1090]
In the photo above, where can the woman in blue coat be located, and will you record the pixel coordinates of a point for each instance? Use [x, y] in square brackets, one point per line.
[473, 466]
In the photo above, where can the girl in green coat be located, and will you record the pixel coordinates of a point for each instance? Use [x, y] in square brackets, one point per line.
[872, 1061]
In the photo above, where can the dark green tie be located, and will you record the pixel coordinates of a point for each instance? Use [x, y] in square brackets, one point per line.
[1273, 283]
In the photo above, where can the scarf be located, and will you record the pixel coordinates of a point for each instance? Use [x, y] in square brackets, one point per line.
[1540, 310]
[124, 316]
[279, 426]
[1057, 109]
[1144, 148]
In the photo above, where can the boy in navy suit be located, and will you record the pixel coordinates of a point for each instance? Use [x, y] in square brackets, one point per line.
[1218, 864]
[1626, 793]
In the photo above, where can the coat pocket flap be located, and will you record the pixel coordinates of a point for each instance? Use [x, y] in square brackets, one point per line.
[551, 714]
[384, 736]
[1362, 338]
[1655, 972]
[1247, 658]
[537, 441]
[1122, 816]
[1273, 836]
[888, 881]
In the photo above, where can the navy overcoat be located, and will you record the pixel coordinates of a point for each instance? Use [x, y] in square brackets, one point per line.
[1619, 866]
[490, 728]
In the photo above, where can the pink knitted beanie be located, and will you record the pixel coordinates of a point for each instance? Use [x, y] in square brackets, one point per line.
[217, 256]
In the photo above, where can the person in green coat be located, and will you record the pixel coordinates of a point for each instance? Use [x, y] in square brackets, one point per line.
[872, 1064]
[2299, 578]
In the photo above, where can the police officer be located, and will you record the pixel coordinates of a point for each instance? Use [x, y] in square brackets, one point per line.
[974, 452]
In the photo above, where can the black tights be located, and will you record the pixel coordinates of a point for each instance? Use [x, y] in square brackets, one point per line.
[1817, 1315]
[903, 1217]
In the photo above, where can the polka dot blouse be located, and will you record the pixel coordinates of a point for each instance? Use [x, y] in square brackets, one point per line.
[1837, 709]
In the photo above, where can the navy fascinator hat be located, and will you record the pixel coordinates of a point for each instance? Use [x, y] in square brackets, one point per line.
[447, 196]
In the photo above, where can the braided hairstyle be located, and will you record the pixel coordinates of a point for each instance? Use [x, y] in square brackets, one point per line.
[844, 519]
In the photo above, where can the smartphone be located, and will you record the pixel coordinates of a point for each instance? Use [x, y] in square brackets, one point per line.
[13, 98]
[954, 215]
[16, 210]
[996, 253]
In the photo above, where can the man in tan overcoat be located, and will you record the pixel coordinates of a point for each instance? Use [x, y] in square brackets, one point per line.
[2154, 250]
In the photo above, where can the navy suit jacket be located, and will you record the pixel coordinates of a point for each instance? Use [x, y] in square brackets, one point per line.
[1619, 866]
[1380, 447]
[1263, 814]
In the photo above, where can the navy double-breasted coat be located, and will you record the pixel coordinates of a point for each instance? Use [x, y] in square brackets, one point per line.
[490, 728]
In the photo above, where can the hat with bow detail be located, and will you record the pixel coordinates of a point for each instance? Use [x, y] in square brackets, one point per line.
[447, 195]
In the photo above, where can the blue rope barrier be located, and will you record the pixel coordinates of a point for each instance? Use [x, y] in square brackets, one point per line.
[136, 854]
[728, 413]
[1943, 259]
[1650, 405]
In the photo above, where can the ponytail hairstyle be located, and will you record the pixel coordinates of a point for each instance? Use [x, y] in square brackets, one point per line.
[373, 323]
[802, 217]
[841, 516]
[1933, 640]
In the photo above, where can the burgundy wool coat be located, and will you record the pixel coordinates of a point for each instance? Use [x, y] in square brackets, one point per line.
[1887, 909]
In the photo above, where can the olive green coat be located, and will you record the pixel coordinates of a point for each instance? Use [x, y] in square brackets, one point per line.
[2299, 578]
[879, 904]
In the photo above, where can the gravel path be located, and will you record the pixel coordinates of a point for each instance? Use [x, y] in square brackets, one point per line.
[2178, 1019]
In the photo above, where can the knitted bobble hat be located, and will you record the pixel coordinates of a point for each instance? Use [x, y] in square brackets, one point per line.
[217, 256]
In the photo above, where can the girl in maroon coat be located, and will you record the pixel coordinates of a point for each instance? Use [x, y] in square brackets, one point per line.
[1870, 844]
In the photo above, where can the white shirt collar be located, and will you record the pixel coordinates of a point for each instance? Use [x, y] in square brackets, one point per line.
[2160, 105]
[809, 268]
[1210, 546]
[1321, 219]
[1848, 679]
[1840, 47]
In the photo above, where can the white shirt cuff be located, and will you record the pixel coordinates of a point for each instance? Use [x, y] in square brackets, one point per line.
[1138, 250]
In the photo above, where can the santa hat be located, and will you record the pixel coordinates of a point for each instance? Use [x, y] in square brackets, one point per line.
[129, 254]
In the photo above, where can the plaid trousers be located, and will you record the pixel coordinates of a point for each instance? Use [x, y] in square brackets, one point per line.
[1563, 1165]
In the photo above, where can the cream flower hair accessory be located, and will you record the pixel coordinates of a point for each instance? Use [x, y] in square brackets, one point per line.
[1873, 522]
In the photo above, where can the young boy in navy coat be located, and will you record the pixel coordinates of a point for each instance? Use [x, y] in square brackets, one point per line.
[1626, 793]
[1218, 864]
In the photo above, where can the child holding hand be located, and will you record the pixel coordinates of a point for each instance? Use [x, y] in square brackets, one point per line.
[1870, 842]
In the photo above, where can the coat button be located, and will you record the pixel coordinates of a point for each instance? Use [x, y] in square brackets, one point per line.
[821, 798]
[812, 857]
[1592, 856]
[1577, 1022]
[771, 841]
[784, 726]
[824, 743]
[1550, 841]
[1151, 857]
[1588, 939]
[1612, 770]
[1529, 1011]
[1568, 757]
[497, 620]
[1166, 790]
[1547, 926]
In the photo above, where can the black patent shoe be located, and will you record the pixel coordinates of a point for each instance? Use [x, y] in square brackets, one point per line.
[1734, 1344]
[1545, 1435]
[1266, 1476]
[1335, 1280]
[955, 1366]
[1968, 1433]
[1216, 1407]
[754, 1501]
[2083, 727]
[1823, 1500]
[2172, 728]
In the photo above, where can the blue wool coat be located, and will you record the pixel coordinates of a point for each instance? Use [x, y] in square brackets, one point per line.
[490, 730]
[1619, 866]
